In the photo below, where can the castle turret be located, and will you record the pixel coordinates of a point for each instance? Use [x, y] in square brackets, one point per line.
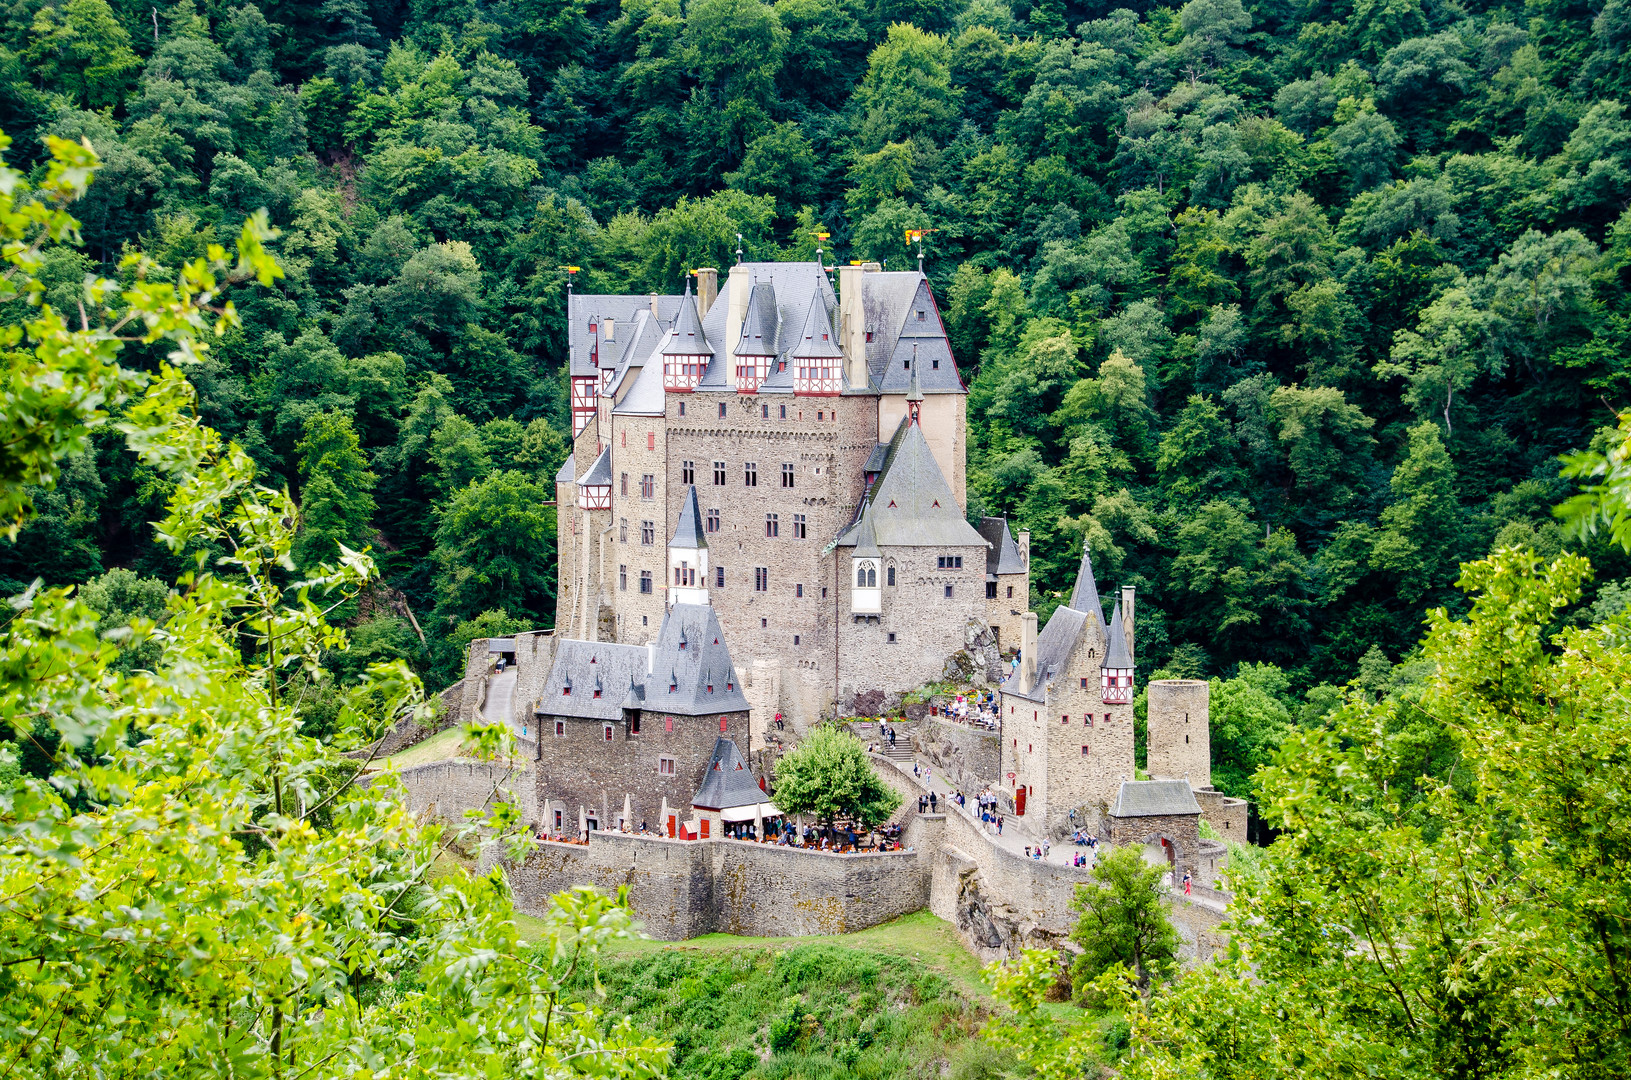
[688, 555]
[866, 596]
[687, 352]
[1116, 673]
[756, 351]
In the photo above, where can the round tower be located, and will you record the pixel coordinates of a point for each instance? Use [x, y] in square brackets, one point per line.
[1180, 742]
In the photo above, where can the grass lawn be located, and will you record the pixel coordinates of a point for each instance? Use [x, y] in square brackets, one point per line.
[439, 747]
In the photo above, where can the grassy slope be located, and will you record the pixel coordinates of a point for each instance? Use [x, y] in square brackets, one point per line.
[439, 747]
[903, 1000]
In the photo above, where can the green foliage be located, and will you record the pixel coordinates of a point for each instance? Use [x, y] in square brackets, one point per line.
[1123, 924]
[189, 873]
[829, 776]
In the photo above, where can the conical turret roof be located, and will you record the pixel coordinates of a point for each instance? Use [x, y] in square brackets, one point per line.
[914, 389]
[759, 323]
[688, 531]
[1116, 653]
[728, 782]
[688, 338]
[815, 341]
[1085, 597]
[866, 541]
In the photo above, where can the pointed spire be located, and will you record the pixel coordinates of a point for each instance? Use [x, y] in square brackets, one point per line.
[759, 323]
[688, 530]
[689, 339]
[914, 392]
[1116, 653]
[1085, 597]
[866, 540]
[815, 342]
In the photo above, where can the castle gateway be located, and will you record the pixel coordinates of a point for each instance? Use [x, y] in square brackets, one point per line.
[792, 456]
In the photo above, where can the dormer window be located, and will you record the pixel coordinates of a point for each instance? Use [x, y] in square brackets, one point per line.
[919, 314]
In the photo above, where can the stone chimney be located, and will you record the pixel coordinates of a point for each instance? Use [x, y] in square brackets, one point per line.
[1025, 546]
[737, 287]
[1127, 618]
[651, 657]
[707, 288]
[1027, 649]
[852, 326]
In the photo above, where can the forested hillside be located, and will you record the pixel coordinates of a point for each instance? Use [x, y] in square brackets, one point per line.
[1287, 308]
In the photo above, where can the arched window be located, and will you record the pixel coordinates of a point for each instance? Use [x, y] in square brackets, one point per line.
[860, 576]
[871, 576]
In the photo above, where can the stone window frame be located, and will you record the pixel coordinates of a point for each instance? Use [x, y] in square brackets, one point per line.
[648, 534]
[949, 595]
[788, 474]
[688, 472]
[991, 590]
[801, 527]
[798, 592]
[719, 474]
[608, 729]
[666, 765]
[722, 410]
[773, 526]
[622, 530]
[890, 576]
[890, 638]
[623, 484]
[750, 474]
[719, 577]
[645, 582]
[622, 577]
[648, 486]
[761, 579]
[560, 729]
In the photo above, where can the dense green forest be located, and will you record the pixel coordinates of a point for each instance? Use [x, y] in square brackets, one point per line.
[1287, 308]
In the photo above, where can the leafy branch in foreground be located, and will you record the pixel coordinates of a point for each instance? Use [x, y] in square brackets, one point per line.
[198, 886]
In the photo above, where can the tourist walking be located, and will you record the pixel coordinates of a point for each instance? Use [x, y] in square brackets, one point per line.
[1186, 882]
[934, 803]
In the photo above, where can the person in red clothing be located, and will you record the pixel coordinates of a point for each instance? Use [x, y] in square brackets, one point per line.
[1186, 882]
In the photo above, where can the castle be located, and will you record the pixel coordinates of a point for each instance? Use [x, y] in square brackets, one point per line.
[793, 456]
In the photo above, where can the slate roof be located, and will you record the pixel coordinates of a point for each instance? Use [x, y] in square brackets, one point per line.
[688, 338]
[568, 473]
[688, 531]
[815, 340]
[623, 310]
[875, 460]
[866, 544]
[690, 656]
[1085, 596]
[1053, 648]
[912, 505]
[1116, 654]
[586, 666]
[1154, 798]
[600, 473]
[1003, 555]
[759, 324]
[647, 397]
[728, 782]
[890, 303]
[779, 302]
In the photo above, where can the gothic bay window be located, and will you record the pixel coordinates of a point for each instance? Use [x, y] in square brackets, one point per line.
[685, 576]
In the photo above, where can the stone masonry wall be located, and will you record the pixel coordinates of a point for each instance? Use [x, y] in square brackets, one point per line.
[534, 657]
[928, 626]
[1226, 815]
[1180, 745]
[638, 615]
[1180, 830]
[446, 789]
[681, 889]
[1003, 612]
[581, 768]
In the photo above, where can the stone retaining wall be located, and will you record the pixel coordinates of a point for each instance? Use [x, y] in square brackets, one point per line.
[446, 789]
[680, 889]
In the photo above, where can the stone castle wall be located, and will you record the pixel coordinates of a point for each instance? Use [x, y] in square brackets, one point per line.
[1003, 611]
[681, 889]
[1226, 815]
[444, 790]
[638, 615]
[928, 626]
[581, 768]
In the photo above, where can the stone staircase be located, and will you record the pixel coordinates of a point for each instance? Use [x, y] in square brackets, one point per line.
[871, 732]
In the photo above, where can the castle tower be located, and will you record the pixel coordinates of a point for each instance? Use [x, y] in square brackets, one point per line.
[688, 556]
[1116, 673]
[1180, 743]
[687, 353]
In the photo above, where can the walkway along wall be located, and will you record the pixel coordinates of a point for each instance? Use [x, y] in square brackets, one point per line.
[1001, 902]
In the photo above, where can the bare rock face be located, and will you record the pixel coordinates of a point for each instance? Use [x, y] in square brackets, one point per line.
[916, 711]
[867, 703]
[994, 929]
